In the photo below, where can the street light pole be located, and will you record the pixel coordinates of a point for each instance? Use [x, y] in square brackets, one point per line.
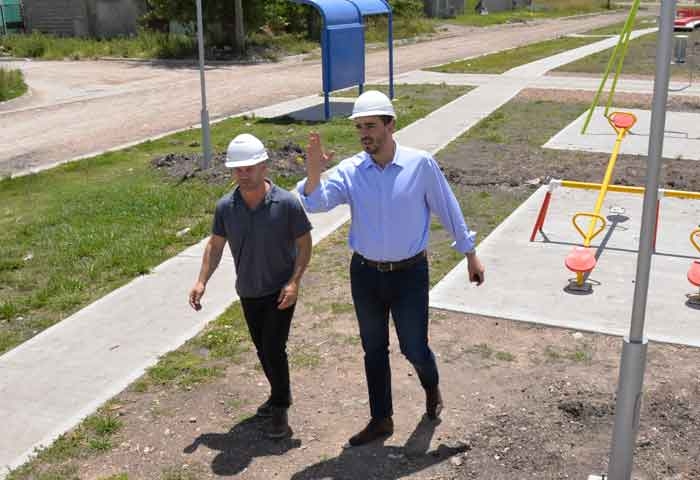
[633, 362]
[206, 137]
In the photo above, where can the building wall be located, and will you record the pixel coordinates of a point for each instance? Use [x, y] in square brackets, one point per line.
[80, 18]
[59, 17]
[116, 17]
[503, 5]
[443, 8]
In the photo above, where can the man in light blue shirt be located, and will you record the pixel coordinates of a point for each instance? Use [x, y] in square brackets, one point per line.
[392, 191]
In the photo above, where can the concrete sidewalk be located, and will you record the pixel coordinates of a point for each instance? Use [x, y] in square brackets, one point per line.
[52, 381]
[550, 82]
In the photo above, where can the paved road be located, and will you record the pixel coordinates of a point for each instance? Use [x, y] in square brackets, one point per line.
[77, 108]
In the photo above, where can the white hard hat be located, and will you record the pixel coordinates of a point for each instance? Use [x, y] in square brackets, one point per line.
[245, 150]
[372, 103]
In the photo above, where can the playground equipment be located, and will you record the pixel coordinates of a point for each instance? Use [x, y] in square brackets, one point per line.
[618, 55]
[694, 271]
[582, 259]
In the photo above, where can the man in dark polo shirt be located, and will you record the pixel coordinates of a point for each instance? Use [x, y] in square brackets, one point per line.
[268, 233]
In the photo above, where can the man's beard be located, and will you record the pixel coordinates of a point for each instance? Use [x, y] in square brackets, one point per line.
[372, 147]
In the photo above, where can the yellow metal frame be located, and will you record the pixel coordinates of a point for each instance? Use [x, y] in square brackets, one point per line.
[693, 240]
[591, 233]
[595, 215]
[630, 189]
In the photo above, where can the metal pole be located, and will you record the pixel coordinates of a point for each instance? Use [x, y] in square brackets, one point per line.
[633, 360]
[206, 137]
[391, 55]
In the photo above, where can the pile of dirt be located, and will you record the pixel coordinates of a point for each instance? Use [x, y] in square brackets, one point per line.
[286, 162]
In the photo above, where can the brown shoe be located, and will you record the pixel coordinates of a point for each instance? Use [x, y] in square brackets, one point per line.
[279, 425]
[376, 428]
[433, 402]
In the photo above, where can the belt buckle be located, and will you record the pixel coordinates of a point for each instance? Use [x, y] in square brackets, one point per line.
[385, 267]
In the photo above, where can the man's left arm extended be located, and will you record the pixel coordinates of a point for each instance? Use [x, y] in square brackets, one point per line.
[290, 292]
[443, 203]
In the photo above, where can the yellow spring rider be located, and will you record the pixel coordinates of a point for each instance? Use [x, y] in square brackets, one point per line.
[694, 271]
[582, 259]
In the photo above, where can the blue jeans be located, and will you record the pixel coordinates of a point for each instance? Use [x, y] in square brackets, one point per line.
[404, 293]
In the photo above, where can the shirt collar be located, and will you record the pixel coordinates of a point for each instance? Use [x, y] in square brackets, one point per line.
[367, 162]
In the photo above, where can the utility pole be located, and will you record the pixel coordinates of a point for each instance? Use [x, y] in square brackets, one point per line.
[634, 349]
[206, 137]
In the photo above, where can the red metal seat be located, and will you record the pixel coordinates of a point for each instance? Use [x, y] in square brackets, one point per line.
[694, 273]
[580, 260]
[623, 120]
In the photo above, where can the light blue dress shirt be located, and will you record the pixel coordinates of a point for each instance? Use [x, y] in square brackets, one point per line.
[391, 207]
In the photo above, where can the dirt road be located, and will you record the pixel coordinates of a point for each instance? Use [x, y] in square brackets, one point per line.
[76, 108]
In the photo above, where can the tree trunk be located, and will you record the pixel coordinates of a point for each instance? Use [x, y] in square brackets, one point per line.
[239, 28]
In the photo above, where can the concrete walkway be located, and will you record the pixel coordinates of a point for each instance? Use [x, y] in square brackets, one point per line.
[52, 381]
[549, 82]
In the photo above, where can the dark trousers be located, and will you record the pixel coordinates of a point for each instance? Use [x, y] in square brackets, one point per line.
[404, 293]
[269, 329]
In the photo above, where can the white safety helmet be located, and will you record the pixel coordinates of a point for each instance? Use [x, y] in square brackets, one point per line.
[372, 103]
[245, 150]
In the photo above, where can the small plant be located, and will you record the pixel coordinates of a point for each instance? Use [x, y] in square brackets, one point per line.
[339, 308]
[103, 425]
[11, 84]
[304, 356]
[100, 444]
[505, 356]
[482, 349]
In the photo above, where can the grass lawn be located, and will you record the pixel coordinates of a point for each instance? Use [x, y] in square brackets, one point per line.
[145, 45]
[11, 84]
[72, 234]
[640, 60]
[503, 61]
[500, 62]
[148, 44]
[539, 9]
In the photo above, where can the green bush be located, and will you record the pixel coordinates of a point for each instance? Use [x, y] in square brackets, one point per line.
[407, 8]
[146, 44]
[11, 85]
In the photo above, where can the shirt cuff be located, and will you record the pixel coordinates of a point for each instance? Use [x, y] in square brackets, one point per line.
[313, 201]
[466, 244]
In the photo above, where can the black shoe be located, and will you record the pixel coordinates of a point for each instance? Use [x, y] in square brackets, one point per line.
[433, 402]
[264, 410]
[279, 425]
[376, 428]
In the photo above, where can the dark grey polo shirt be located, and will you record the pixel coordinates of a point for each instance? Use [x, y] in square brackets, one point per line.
[262, 241]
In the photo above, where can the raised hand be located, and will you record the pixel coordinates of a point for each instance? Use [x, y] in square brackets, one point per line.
[316, 161]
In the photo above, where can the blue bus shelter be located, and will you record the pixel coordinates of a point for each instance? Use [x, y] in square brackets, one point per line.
[343, 43]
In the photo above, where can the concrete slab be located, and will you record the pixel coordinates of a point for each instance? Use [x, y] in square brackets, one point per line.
[681, 139]
[525, 280]
[558, 82]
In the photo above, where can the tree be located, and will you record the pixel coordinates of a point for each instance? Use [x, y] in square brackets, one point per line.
[227, 21]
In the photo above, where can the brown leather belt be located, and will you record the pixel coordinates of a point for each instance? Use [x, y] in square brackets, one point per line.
[393, 266]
